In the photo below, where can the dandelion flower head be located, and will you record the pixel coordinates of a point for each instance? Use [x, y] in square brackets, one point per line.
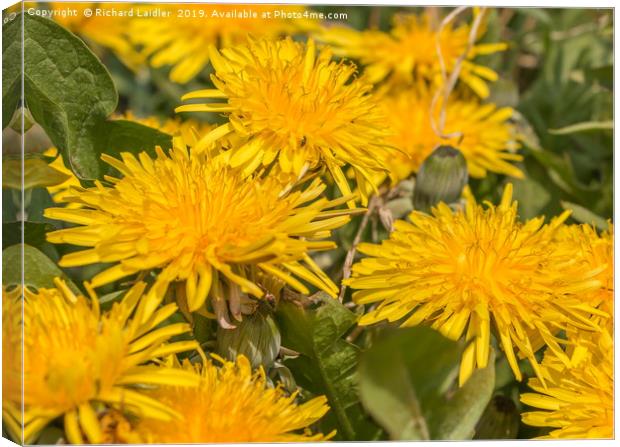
[408, 53]
[578, 399]
[77, 358]
[466, 271]
[482, 132]
[200, 222]
[233, 404]
[182, 39]
[297, 109]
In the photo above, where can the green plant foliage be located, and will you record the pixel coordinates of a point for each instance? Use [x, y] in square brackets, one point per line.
[114, 137]
[39, 271]
[70, 94]
[34, 233]
[500, 419]
[569, 106]
[583, 127]
[406, 383]
[327, 363]
[583, 215]
[11, 68]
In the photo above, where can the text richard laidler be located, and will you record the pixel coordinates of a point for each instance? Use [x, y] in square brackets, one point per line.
[180, 11]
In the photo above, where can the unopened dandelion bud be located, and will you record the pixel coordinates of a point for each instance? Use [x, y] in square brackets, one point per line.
[281, 374]
[256, 336]
[441, 178]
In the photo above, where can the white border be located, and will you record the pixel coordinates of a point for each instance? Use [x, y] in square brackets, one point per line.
[504, 3]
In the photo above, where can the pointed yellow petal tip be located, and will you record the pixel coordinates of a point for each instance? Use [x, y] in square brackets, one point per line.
[507, 196]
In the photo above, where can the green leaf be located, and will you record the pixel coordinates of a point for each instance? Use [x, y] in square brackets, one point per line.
[327, 364]
[561, 172]
[67, 90]
[583, 127]
[504, 93]
[404, 380]
[584, 215]
[39, 270]
[116, 136]
[457, 418]
[70, 94]
[11, 67]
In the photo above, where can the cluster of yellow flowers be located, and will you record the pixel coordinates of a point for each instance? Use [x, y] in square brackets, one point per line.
[405, 67]
[234, 212]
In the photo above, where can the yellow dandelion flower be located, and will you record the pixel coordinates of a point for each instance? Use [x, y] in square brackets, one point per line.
[596, 252]
[297, 109]
[200, 222]
[77, 359]
[233, 404]
[482, 132]
[181, 37]
[12, 371]
[467, 270]
[188, 129]
[117, 429]
[408, 53]
[107, 31]
[576, 400]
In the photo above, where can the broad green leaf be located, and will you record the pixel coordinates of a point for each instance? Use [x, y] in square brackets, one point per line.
[39, 270]
[404, 378]
[457, 417]
[400, 377]
[21, 118]
[583, 127]
[70, 94]
[11, 67]
[116, 136]
[327, 364]
[67, 90]
[584, 215]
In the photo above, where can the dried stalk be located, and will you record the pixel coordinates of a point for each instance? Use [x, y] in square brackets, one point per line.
[448, 83]
[374, 202]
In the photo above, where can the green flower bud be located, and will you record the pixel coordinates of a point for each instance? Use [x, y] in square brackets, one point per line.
[256, 336]
[500, 420]
[281, 374]
[441, 178]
